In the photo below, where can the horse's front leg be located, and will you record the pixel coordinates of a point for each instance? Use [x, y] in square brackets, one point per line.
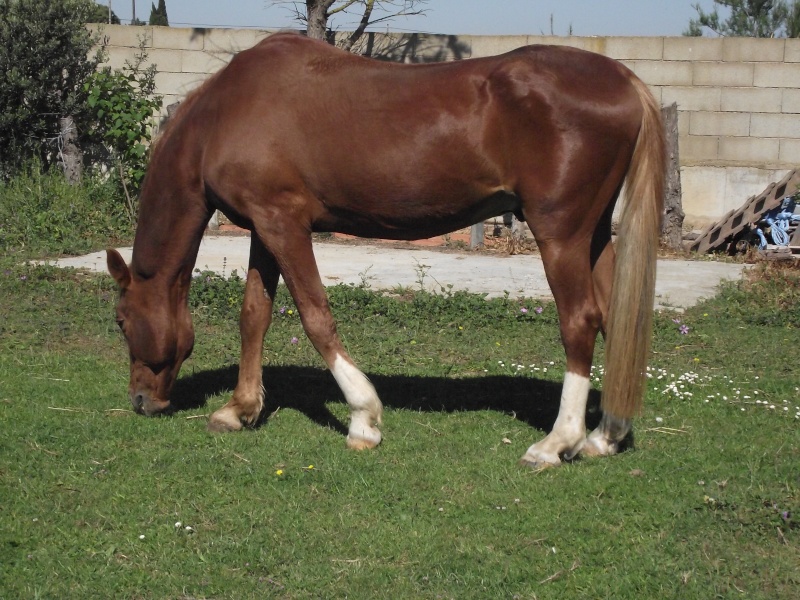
[247, 402]
[292, 249]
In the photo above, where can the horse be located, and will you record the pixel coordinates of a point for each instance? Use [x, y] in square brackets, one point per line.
[295, 136]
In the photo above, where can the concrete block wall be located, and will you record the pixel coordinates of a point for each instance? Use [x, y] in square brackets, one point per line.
[738, 98]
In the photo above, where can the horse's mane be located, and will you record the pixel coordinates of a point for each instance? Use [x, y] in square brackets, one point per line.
[184, 107]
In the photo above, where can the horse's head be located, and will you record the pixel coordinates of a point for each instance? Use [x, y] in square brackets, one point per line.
[157, 326]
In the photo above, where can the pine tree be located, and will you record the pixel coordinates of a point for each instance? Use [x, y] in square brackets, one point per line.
[158, 16]
[748, 18]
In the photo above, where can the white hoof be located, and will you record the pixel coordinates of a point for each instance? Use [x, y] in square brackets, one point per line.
[539, 461]
[362, 436]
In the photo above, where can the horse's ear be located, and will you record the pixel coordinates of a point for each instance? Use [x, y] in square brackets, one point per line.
[118, 269]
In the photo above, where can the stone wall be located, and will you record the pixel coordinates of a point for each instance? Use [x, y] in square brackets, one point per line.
[738, 98]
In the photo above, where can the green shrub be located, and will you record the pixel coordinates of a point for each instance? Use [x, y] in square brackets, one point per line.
[44, 47]
[122, 106]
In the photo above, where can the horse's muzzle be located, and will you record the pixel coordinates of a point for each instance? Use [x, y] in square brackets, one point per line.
[146, 405]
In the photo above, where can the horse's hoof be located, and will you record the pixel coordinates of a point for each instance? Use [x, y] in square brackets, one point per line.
[536, 464]
[360, 444]
[224, 421]
[367, 439]
[362, 436]
[597, 445]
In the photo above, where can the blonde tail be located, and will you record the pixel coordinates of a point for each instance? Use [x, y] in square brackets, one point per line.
[631, 310]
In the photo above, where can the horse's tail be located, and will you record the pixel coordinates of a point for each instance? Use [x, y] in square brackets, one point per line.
[631, 311]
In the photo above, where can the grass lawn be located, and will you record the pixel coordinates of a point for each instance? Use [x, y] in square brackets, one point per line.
[96, 502]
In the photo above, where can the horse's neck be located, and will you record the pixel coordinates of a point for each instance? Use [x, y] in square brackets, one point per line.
[168, 238]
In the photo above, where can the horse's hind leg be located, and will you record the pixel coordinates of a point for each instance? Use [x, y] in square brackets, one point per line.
[606, 439]
[247, 402]
[291, 246]
[568, 269]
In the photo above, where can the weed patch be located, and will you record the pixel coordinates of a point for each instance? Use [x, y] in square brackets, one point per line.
[43, 215]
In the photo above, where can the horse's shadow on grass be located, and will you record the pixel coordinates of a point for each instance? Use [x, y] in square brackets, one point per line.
[306, 389]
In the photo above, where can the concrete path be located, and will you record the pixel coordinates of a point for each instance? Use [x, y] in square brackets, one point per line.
[680, 283]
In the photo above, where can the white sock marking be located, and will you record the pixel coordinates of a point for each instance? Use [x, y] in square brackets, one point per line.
[569, 431]
[365, 407]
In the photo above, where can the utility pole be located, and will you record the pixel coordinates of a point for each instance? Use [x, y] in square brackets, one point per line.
[133, 3]
[109, 12]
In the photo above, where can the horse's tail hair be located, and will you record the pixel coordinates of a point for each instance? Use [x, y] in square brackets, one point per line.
[631, 310]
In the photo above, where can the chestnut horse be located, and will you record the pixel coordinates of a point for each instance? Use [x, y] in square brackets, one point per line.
[295, 136]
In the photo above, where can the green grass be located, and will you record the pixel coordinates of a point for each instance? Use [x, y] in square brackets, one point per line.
[706, 505]
[41, 214]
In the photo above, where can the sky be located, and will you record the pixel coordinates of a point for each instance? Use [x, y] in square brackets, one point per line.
[476, 17]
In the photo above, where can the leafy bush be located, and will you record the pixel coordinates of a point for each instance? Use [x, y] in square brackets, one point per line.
[44, 47]
[41, 214]
[122, 105]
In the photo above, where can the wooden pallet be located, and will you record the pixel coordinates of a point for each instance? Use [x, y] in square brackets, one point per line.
[719, 235]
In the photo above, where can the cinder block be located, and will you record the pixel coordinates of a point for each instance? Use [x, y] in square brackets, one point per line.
[777, 126]
[777, 75]
[703, 193]
[722, 124]
[722, 74]
[744, 49]
[751, 100]
[697, 149]
[203, 63]
[167, 100]
[673, 73]
[743, 182]
[790, 153]
[791, 101]
[692, 98]
[751, 151]
[231, 41]
[167, 61]
[177, 84]
[692, 48]
[127, 36]
[711, 192]
[179, 38]
[635, 48]
[116, 57]
[490, 45]
[418, 48]
[596, 44]
[684, 120]
[658, 93]
[792, 52]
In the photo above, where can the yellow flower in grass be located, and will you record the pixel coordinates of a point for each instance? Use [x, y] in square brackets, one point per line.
[279, 472]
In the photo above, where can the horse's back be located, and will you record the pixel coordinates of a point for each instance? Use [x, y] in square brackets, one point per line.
[365, 137]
